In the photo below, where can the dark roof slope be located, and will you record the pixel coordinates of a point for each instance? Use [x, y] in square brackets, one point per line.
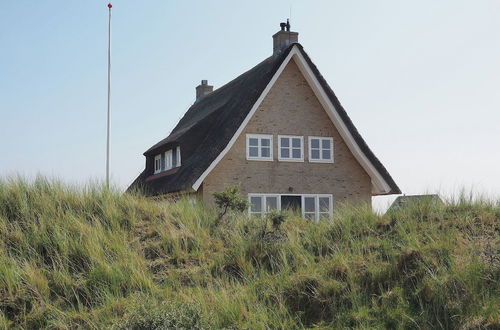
[210, 123]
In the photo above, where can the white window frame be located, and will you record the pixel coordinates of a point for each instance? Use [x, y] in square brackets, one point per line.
[317, 213]
[321, 160]
[260, 137]
[263, 203]
[156, 169]
[168, 160]
[290, 148]
[178, 156]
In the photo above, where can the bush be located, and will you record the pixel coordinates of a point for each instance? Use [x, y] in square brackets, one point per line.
[230, 199]
[277, 218]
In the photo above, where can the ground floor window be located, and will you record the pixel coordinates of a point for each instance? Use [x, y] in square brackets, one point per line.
[261, 204]
[310, 206]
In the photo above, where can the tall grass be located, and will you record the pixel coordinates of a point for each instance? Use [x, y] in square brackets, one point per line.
[89, 257]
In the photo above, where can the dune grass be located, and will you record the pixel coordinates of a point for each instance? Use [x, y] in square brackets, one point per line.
[88, 257]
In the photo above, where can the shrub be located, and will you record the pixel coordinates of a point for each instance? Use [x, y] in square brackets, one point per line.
[277, 218]
[230, 199]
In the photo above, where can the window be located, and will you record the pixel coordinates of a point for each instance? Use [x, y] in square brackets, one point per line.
[259, 147]
[312, 207]
[261, 204]
[321, 149]
[309, 209]
[317, 207]
[178, 154]
[168, 159]
[291, 148]
[157, 164]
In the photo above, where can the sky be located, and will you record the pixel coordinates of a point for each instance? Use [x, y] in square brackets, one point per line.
[419, 79]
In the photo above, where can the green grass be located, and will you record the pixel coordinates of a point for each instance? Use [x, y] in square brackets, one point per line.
[92, 258]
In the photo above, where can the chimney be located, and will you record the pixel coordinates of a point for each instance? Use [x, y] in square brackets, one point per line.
[283, 38]
[203, 89]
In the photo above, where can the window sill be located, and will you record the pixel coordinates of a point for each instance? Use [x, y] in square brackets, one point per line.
[321, 161]
[291, 160]
[261, 159]
[162, 174]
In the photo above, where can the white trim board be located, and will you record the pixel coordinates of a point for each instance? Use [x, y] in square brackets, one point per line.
[266, 90]
[379, 185]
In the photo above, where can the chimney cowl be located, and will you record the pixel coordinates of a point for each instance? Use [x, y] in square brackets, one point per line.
[203, 89]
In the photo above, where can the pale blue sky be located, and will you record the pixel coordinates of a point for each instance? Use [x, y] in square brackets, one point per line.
[420, 80]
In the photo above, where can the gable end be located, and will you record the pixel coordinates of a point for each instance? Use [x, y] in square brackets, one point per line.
[382, 182]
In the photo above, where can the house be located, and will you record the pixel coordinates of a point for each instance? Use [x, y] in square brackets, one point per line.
[408, 200]
[279, 132]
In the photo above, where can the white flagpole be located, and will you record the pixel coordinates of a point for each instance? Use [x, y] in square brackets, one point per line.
[109, 96]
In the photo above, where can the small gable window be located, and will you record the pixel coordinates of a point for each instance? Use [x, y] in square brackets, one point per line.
[168, 159]
[157, 164]
[321, 149]
[259, 147]
[291, 148]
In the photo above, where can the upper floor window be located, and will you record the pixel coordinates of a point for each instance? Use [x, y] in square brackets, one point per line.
[321, 149]
[178, 154]
[259, 147]
[291, 148]
[158, 164]
[168, 160]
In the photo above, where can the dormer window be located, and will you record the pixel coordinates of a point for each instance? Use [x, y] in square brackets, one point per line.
[178, 154]
[158, 164]
[168, 160]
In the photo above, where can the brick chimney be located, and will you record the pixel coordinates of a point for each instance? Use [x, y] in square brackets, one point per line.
[203, 89]
[284, 38]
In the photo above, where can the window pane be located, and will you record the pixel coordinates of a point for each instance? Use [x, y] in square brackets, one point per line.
[265, 142]
[174, 159]
[296, 143]
[266, 152]
[310, 216]
[324, 204]
[315, 143]
[285, 142]
[296, 153]
[285, 153]
[324, 216]
[253, 152]
[326, 154]
[325, 144]
[314, 154]
[256, 204]
[271, 203]
[253, 142]
[309, 204]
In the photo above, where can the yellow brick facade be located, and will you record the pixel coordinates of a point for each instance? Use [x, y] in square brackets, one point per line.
[291, 108]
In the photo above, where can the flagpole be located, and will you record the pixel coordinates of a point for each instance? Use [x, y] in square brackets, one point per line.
[109, 96]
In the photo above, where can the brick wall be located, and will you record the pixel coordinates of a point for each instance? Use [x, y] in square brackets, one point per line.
[291, 108]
